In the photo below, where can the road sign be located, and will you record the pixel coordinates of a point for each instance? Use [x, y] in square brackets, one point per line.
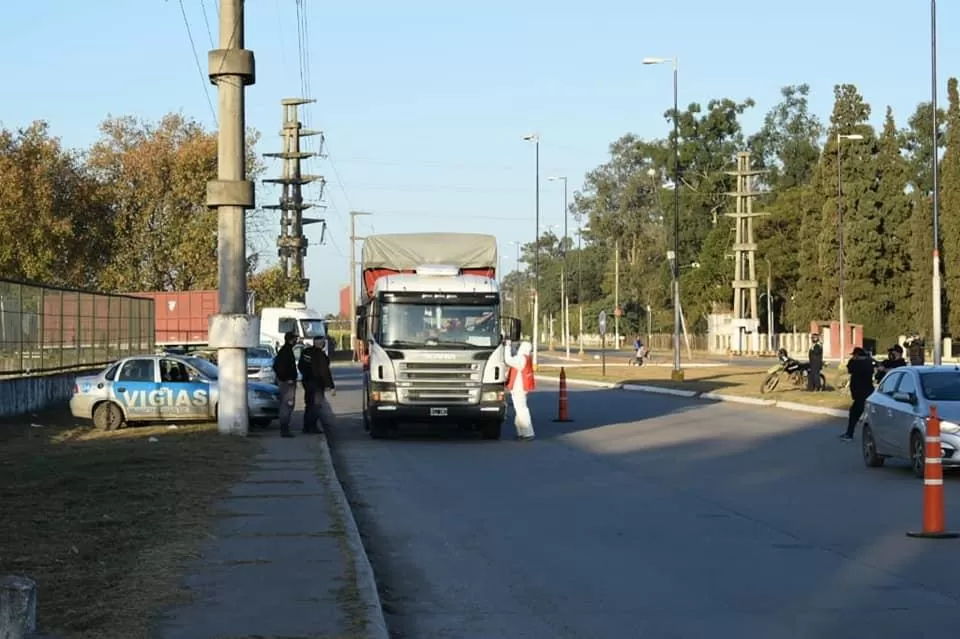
[602, 322]
[618, 312]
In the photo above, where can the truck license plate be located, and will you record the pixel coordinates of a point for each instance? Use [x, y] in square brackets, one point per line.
[438, 412]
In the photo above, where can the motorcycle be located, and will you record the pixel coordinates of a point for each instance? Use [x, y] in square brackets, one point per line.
[796, 372]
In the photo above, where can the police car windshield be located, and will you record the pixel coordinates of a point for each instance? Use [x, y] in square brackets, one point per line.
[207, 369]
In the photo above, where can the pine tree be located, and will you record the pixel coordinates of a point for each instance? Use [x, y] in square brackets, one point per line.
[950, 209]
[850, 116]
[891, 303]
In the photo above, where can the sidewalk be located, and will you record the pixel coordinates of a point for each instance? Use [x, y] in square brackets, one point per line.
[285, 559]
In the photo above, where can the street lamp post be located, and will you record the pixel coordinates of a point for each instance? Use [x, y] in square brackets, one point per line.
[840, 234]
[564, 298]
[937, 312]
[580, 283]
[535, 138]
[677, 373]
[517, 287]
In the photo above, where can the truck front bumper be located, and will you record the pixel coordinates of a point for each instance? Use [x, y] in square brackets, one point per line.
[420, 414]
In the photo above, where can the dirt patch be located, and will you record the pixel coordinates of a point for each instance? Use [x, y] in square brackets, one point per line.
[105, 522]
[731, 380]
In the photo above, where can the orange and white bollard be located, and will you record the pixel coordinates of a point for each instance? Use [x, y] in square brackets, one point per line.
[933, 509]
[562, 409]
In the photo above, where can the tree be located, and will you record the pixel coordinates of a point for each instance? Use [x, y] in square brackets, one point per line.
[272, 288]
[788, 143]
[53, 222]
[850, 116]
[891, 300]
[155, 178]
[950, 209]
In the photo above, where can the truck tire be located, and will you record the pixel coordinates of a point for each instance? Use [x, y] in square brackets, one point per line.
[492, 430]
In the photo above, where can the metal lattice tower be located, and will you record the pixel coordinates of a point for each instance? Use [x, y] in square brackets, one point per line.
[291, 243]
[745, 284]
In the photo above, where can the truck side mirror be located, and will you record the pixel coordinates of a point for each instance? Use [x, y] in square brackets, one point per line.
[361, 327]
[511, 328]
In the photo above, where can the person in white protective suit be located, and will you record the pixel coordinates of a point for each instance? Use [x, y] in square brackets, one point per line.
[520, 381]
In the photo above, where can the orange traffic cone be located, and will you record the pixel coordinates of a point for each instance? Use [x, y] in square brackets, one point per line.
[933, 518]
[562, 409]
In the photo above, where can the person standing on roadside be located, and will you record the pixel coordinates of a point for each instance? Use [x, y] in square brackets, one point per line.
[285, 368]
[305, 366]
[322, 382]
[815, 356]
[520, 381]
[860, 367]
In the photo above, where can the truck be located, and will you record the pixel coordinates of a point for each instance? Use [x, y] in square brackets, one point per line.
[183, 318]
[431, 336]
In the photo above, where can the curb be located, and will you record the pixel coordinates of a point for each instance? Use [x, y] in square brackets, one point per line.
[718, 397]
[366, 582]
[581, 382]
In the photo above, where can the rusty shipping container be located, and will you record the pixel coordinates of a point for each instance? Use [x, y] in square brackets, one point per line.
[183, 317]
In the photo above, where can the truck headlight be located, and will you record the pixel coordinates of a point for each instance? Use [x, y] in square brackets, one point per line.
[491, 396]
[384, 396]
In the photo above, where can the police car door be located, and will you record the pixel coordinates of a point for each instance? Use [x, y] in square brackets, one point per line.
[137, 389]
[185, 394]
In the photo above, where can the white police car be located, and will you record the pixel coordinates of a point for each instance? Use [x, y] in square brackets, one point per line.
[164, 388]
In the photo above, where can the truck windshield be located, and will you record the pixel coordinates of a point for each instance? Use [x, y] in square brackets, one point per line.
[439, 325]
[312, 328]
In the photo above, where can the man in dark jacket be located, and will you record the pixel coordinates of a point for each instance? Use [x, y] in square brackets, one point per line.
[894, 360]
[860, 368]
[322, 381]
[305, 366]
[285, 367]
[816, 364]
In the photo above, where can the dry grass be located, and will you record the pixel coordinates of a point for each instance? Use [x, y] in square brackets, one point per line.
[730, 380]
[105, 522]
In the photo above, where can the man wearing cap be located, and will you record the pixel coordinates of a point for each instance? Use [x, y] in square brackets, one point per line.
[285, 367]
[894, 360]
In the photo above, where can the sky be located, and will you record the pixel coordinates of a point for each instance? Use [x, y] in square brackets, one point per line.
[424, 103]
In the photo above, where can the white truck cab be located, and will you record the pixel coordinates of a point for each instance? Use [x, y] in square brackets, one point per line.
[294, 317]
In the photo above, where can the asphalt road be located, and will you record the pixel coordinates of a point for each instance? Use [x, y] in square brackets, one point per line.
[649, 516]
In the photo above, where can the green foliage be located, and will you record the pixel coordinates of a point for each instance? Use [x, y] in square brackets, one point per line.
[272, 288]
[881, 183]
[128, 214]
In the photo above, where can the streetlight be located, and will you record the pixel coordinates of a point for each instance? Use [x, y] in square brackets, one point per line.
[580, 232]
[937, 317]
[677, 371]
[564, 301]
[517, 287]
[840, 233]
[535, 138]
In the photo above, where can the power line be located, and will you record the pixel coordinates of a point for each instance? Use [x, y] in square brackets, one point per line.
[206, 21]
[196, 58]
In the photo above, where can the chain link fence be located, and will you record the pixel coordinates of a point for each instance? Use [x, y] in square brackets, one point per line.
[46, 329]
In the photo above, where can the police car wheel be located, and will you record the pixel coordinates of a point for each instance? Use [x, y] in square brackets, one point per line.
[107, 416]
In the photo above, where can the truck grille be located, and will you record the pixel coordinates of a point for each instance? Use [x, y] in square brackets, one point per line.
[442, 383]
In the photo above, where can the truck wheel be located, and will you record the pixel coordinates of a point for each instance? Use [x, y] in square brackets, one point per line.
[491, 430]
[379, 428]
[107, 416]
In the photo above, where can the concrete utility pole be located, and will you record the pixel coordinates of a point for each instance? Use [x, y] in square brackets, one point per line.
[291, 243]
[353, 279]
[232, 331]
[746, 316]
